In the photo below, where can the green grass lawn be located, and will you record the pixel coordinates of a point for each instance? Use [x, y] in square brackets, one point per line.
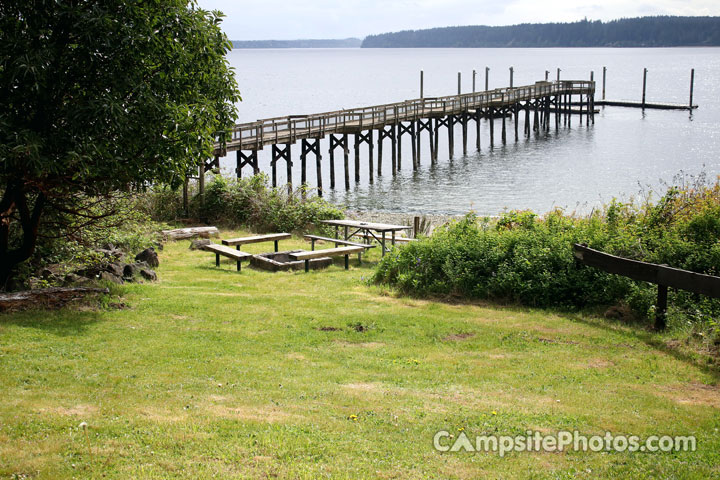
[319, 375]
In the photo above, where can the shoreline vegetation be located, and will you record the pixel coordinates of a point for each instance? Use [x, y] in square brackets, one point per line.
[302, 43]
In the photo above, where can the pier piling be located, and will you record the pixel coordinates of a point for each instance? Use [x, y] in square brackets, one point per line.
[692, 87]
[645, 70]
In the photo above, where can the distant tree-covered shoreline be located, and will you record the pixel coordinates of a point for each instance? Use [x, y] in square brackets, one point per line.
[660, 31]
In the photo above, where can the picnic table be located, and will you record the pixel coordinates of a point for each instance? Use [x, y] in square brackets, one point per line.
[370, 230]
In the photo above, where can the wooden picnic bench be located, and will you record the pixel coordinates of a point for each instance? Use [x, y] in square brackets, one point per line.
[330, 252]
[367, 228]
[225, 251]
[336, 241]
[275, 237]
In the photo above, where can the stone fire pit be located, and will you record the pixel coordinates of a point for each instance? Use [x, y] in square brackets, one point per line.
[280, 261]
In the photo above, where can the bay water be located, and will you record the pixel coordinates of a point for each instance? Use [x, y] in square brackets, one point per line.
[625, 152]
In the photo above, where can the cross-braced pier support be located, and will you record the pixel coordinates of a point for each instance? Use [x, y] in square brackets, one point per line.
[339, 141]
[281, 152]
[247, 159]
[361, 138]
[387, 132]
[307, 146]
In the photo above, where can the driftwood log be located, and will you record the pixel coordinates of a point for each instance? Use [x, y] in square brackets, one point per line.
[45, 298]
[192, 232]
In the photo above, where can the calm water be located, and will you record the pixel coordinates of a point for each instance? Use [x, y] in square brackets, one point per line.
[574, 168]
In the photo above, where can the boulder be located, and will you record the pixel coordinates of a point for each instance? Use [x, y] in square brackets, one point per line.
[111, 253]
[148, 274]
[92, 273]
[51, 272]
[199, 244]
[111, 277]
[117, 269]
[148, 256]
[130, 270]
[74, 279]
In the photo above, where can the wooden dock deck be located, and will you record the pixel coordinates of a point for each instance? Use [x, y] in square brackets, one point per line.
[290, 129]
[649, 105]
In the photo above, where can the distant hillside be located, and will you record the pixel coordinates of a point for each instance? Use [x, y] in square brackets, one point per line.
[343, 43]
[628, 32]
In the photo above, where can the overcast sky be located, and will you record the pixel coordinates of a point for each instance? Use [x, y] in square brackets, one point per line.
[303, 19]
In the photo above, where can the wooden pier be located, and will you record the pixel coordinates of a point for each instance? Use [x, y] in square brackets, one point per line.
[371, 126]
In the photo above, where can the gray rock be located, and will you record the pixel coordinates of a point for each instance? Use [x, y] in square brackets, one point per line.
[130, 270]
[148, 256]
[199, 244]
[111, 252]
[73, 279]
[92, 273]
[117, 269]
[110, 277]
[148, 274]
[51, 272]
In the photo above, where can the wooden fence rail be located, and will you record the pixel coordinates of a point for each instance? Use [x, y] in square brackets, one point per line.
[661, 275]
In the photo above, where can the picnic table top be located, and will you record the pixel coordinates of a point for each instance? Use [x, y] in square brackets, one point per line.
[378, 227]
[257, 239]
[226, 251]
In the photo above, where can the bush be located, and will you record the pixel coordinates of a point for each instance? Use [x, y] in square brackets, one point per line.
[247, 202]
[529, 260]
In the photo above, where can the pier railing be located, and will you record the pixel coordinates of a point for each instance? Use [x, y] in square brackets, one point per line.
[272, 131]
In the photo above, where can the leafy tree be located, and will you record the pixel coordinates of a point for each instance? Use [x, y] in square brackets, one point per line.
[98, 98]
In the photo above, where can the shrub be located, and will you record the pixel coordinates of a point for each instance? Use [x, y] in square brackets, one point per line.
[247, 202]
[526, 259]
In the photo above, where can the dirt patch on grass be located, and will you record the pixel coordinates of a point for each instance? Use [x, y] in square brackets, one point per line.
[260, 414]
[295, 356]
[497, 356]
[368, 345]
[224, 406]
[600, 363]
[362, 387]
[329, 329]
[162, 416]
[224, 294]
[557, 340]
[79, 410]
[691, 394]
[455, 337]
